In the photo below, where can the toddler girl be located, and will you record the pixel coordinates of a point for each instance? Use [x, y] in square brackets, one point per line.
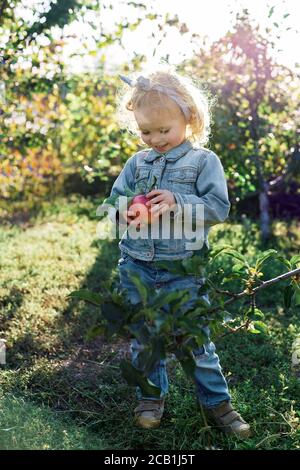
[172, 117]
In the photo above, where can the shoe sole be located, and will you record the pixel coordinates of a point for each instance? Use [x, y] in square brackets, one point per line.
[241, 434]
[146, 424]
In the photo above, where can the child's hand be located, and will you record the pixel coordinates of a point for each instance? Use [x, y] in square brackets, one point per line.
[129, 216]
[161, 200]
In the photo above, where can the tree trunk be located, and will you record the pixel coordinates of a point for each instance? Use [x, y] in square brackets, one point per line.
[264, 212]
[264, 204]
[3, 6]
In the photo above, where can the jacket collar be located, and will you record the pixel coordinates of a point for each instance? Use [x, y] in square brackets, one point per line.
[172, 155]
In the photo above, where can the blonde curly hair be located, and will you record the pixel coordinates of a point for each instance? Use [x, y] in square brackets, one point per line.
[190, 95]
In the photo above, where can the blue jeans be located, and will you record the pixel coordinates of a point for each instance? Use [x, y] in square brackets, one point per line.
[211, 386]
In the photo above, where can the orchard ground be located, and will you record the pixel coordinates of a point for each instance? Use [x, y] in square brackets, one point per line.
[61, 391]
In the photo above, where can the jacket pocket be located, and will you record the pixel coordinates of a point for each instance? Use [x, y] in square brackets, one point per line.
[183, 180]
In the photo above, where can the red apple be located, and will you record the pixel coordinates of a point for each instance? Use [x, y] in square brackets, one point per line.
[138, 206]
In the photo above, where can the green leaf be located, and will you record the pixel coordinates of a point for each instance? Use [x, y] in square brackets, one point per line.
[141, 287]
[114, 198]
[190, 326]
[87, 295]
[188, 365]
[295, 260]
[163, 322]
[164, 298]
[142, 359]
[260, 326]
[112, 312]
[176, 304]
[175, 267]
[253, 330]
[238, 267]
[187, 361]
[203, 289]
[94, 332]
[237, 255]
[228, 250]
[219, 250]
[263, 257]
[157, 353]
[296, 297]
[113, 328]
[284, 261]
[135, 378]
[203, 302]
[258, 313]
[152, 184]
[287, 296]
[111, 200]
[194, 265]
[193, 343]
[141, 332]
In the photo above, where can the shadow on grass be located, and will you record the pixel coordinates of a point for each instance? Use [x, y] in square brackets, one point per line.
[75, 320]
[78, 317]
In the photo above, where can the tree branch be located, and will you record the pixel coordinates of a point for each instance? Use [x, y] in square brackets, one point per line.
[253, 292]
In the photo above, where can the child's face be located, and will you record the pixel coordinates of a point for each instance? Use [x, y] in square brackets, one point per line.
[161, 129]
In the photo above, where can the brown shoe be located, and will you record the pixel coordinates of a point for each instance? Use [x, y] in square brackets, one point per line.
[229, 421]
[148, 413]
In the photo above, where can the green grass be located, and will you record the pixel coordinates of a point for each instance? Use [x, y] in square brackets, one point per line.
[67, 393]
[25, 425]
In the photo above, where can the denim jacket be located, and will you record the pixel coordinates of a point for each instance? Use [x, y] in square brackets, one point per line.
[194, 176]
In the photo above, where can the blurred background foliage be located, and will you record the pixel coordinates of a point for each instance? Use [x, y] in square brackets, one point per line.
[58, 131]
